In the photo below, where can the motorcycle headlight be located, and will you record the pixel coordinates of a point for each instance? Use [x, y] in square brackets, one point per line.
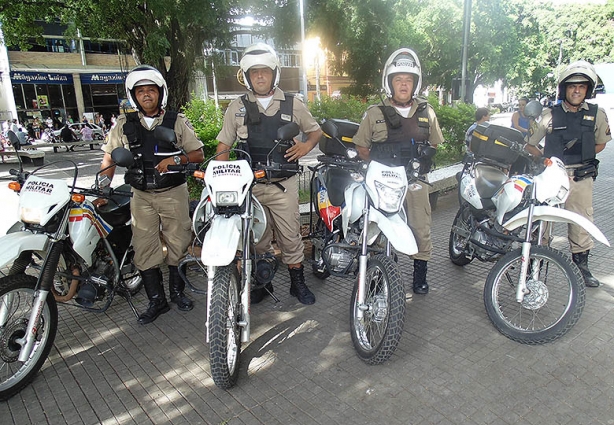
[227, 199]
[30, 215]
[390, 199]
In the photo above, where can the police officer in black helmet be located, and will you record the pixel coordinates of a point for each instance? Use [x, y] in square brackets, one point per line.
[160, 198]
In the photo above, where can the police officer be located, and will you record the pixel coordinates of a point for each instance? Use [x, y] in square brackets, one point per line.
[575, 132]
[254, 118]
[160, 199]
[400, 126]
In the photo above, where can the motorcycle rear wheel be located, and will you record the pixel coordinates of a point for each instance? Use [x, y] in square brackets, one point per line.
[17, 295]
[377, 334]
[457, 244]
[553, 305]
[224, 329]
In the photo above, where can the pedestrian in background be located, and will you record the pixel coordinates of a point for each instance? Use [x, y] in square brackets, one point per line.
[481, 116]
[519, 120]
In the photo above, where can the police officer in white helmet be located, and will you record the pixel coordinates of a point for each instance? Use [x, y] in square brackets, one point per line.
[254, 119]
[403, 124]
[160, 199]
[575, 131]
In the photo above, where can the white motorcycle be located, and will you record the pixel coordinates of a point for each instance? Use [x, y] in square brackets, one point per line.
[63, 250]
[360, 220]
[533, 294]
[228, 222]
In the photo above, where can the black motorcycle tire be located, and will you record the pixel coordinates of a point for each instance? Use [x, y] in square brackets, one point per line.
[21, 286]
[551, 308]
[319, 271]
[224, 329]
[377, 335]
[457, 255]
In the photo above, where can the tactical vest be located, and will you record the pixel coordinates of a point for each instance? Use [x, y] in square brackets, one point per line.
[262, 132]
[403, 138]
[149, 151]
[573, 135]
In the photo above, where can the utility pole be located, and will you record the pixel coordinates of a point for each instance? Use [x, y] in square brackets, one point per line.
[466, 32]
[303, 84]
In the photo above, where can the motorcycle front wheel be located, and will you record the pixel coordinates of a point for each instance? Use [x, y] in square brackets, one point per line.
[16, 300]
[553, 304]
[376, 335]
[224, 329]
[458, 243]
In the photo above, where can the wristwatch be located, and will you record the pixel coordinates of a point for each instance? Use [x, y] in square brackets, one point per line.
[177, 159]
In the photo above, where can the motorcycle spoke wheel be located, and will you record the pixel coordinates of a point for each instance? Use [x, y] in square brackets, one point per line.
[16, 300]
[318, 267]
[457, 243]
[224, 329]
[553, 304]
[376, 335]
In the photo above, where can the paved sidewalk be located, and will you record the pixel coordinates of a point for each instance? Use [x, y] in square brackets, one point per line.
[451, 367]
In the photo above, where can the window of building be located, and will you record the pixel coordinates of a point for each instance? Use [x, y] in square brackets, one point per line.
[55, 96]
[18, 95]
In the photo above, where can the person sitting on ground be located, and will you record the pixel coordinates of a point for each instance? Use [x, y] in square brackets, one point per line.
[481, 116]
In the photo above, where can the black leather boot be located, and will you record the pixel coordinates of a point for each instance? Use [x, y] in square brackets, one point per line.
[298, 288]
[152, 281]
[420, 285]
[581, 260]
[176, 285]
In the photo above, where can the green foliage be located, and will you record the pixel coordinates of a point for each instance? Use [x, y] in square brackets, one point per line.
[207, 121]
[347, 107]
[454, 122]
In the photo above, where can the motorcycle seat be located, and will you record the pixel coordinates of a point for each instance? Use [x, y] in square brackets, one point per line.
[488, 180]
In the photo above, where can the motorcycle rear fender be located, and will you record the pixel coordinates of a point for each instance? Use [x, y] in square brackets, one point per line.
[396, 230]
[221, 241]
[15, 243]
[557, 215]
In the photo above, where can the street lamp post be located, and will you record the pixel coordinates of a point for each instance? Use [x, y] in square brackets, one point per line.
[303, 84]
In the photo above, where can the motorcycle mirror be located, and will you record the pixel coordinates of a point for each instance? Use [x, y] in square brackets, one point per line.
[330, 128]
[165, 134]
[122, 157]
[288, 131]
[428, 152]
[351, 153]
[533, 109]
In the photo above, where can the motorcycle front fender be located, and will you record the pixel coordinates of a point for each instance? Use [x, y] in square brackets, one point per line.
[396, 230]
[557, 215]
[221, 241]
[15, 243]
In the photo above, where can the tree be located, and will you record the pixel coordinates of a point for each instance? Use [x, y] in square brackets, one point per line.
[153, 30]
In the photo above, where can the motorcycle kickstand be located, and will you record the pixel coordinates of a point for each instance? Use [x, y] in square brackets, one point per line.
[277, 300]
[128, 298]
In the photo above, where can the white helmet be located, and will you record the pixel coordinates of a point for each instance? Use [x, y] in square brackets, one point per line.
[258, 55]
[402, 61]
[578, 72]
[144, 75]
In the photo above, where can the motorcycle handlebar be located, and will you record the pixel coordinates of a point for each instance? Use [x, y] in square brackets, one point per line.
[184, 168]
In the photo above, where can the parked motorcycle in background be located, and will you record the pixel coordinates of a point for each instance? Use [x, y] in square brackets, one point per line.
[63, 250]
[360, 224]
[533, 294]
